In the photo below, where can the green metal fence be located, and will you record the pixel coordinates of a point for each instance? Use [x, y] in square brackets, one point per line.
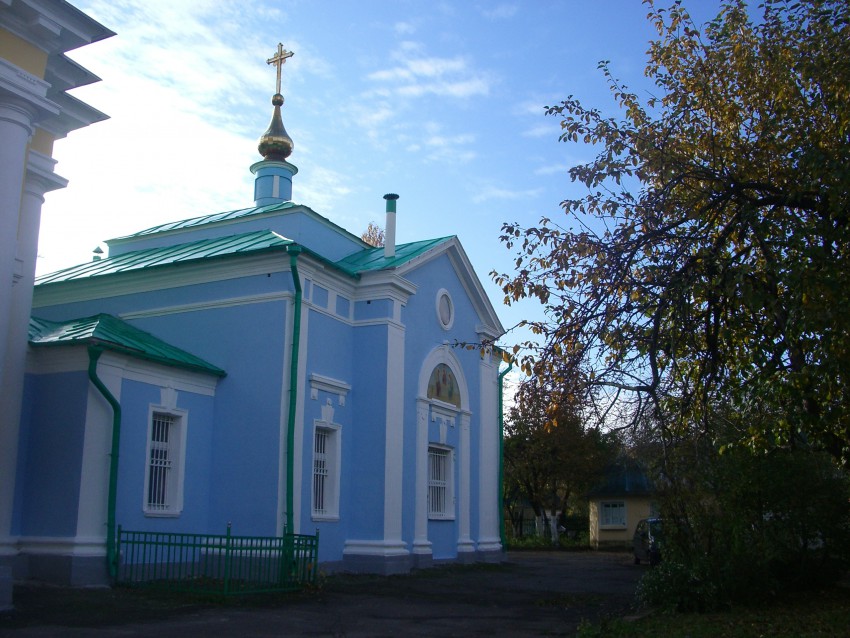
[221, 564]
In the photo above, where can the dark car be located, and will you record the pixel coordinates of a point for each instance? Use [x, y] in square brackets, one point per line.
[647, 541]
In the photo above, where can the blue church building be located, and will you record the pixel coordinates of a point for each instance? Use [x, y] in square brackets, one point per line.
[263, 368]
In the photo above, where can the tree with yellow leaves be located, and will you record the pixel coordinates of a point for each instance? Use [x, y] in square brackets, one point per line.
[708, 262]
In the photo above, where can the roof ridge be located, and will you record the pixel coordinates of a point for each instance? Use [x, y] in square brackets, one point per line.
[202, 220]
[165, 255]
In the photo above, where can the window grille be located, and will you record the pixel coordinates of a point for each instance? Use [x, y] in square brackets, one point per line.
[160, 462]
[438, 482]
[320, 470]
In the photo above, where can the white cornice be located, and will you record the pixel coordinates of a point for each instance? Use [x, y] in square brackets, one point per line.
[384, 284]
[61, 359]
[40, 171]
[327, 384]
[18, 85]
[205, 305]
[52, 26]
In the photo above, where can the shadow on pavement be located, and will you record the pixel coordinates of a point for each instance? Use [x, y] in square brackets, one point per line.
[530, 593]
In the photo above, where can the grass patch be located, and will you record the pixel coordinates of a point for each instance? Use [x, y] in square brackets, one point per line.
[807, 615]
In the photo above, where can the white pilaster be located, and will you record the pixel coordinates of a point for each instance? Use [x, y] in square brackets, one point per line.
[464, 541]
[394, 433]
[489, 536]
[97, 445]
[421, 544]
[298, 456]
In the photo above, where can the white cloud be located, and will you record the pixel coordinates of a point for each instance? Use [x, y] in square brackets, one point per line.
[492, 192]
[553, 169]
[404, 28]
[543, 130]
[417, 75]
[501, 11]
[173, 84]
[323, 188]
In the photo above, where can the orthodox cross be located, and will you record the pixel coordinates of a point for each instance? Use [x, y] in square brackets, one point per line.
[278, 59]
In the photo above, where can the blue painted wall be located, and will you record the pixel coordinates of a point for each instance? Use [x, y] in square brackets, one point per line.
[51, 449]
[136, 401]
[234, 439]
[424, 333]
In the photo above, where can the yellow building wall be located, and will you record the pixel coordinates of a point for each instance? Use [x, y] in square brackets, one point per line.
[637, 508]
[22, 54]
[42, 141]
[34, 61]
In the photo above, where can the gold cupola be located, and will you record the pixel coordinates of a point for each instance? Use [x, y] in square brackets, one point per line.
[275, 144]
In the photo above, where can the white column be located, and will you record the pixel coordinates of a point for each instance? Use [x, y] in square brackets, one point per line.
[421, 544]
[15, 131]
[489, 536]
[16, 128]
[464, 542]
[39, 179]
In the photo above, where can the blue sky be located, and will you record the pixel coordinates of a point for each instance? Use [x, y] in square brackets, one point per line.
[440, 102]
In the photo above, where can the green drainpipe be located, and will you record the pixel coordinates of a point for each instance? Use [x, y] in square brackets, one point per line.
[294, 251]
[111, 555]
[502, 456]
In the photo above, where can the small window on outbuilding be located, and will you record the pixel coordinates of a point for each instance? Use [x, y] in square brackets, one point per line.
[612, 514]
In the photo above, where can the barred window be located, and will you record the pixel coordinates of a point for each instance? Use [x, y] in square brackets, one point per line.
[320, 471]
[163, 480]
[440, 488]
[326, 458]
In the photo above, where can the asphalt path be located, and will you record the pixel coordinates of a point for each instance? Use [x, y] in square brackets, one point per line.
[528, 594]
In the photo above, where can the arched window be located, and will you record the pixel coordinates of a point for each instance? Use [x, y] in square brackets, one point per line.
[443, 386]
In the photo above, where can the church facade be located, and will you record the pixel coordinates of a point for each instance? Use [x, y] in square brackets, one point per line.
[267, 369]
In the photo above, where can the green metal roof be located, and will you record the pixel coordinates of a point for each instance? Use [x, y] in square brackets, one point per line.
[373, 258]
[114, 334]
[167, 255]
[209, 219]
[624, 477]
[367, 260]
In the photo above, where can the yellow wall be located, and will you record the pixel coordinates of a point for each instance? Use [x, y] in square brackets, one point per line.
[636, 509]
[23, 54]
[42, 141]
[34, 61]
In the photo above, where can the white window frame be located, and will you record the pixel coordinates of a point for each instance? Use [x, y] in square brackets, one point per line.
[441, 508]
[170, 476]
[329, 481]
[607, 517]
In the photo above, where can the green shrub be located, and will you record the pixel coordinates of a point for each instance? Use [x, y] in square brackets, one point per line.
[741, 529]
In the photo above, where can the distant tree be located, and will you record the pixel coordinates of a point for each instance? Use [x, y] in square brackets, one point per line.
[708, 262]
[550, 457]
[373, 235]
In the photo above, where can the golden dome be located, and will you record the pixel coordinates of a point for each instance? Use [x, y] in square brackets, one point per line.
[275, 144]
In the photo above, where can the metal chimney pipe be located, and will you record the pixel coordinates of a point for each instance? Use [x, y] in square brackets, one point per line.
[389, 231]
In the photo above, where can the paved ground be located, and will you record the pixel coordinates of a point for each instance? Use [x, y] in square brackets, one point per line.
[530, 594]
